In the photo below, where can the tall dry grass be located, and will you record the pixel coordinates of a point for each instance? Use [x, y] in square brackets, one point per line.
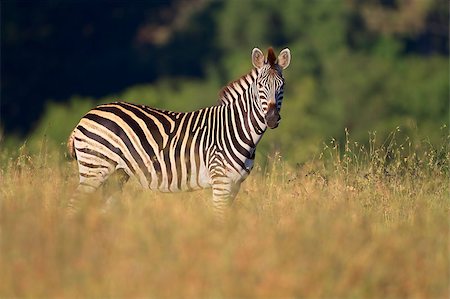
[367, 223]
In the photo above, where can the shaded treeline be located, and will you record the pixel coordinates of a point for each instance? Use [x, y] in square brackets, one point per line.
[368, 66]
[55, 49]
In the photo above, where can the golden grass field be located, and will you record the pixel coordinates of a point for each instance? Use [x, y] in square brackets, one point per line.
[369, 224]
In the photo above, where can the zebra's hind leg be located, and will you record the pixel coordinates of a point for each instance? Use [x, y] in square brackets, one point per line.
[91, 178]
[224, 193]
[113, 187]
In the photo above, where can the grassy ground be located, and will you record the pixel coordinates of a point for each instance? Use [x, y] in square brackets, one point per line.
[369, 224]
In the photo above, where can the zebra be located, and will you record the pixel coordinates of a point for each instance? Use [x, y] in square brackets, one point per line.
[168, 151]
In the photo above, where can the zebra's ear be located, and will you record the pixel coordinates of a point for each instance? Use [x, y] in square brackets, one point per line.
[284, 58]
[257, 58]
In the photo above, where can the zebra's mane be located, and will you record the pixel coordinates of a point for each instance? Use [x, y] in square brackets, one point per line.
[226, 93]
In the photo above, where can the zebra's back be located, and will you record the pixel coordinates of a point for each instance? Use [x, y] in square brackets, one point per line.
[160, 148]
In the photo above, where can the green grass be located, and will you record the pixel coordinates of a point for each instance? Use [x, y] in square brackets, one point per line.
[371, 223]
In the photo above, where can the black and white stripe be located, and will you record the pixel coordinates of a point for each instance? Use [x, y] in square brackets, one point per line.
[170, 151]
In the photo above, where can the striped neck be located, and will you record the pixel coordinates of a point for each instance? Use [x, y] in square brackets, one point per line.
[241, 97]
[229, 93]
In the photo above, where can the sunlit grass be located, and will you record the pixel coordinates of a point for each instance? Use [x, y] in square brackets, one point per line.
[367, 223]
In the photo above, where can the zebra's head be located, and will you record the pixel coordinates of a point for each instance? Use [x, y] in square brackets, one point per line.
[270, 82]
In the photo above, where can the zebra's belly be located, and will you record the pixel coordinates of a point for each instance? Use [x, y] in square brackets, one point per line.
[183, 189]
[180, 182]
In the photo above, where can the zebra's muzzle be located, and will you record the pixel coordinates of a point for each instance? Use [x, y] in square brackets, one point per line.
[273, 116]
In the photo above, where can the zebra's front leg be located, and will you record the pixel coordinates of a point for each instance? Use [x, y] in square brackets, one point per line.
[224, 193]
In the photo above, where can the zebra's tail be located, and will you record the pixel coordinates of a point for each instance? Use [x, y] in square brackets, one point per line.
[71, 146]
